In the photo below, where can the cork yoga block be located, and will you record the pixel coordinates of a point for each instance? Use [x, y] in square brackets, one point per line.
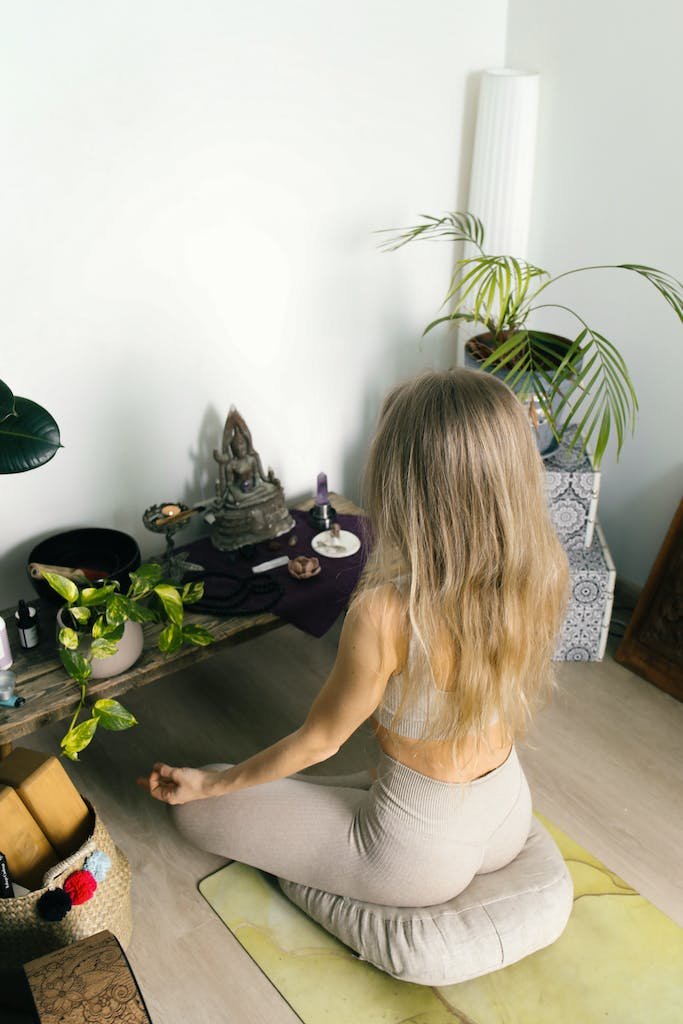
[28, 852]
[90, 980]
[50, 795]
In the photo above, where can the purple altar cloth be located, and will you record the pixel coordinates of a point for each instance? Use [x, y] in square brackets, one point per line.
[231, 588]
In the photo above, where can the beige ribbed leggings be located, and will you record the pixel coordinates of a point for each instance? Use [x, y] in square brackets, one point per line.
[404, 839]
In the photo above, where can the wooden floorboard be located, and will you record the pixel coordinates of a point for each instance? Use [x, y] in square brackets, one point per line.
[604, 762]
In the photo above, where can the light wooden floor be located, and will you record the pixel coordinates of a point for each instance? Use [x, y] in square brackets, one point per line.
[605, 763]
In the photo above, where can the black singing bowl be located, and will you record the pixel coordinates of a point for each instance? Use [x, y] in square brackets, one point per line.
[105, 554]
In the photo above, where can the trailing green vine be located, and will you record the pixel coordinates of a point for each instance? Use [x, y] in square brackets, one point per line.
[94, 622]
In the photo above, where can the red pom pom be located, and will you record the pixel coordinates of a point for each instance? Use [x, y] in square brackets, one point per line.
[80, 886]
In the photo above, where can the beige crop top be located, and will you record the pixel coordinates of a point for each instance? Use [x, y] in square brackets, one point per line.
[427, 704]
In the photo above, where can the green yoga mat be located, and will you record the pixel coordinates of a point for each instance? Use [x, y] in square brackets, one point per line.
[619, 961]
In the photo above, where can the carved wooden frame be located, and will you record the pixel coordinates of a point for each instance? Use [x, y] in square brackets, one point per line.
[652, 645]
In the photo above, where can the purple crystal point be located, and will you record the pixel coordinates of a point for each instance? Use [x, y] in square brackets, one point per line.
[321, 497]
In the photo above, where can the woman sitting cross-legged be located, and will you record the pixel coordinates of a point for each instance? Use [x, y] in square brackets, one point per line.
[446, 649]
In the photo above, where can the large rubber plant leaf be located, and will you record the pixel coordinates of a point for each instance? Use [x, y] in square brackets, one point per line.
[28, 439]
[6, 401]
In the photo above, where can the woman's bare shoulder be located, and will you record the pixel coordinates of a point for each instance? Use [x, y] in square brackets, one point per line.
[383, 609]
[382, 603]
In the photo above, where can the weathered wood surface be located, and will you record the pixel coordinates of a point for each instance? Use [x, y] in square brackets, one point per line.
[51, 694]
[652, 645]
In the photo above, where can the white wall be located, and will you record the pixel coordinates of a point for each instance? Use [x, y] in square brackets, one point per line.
[608, 190]
[188, 194]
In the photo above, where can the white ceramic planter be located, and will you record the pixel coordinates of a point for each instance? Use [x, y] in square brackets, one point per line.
[129, 650]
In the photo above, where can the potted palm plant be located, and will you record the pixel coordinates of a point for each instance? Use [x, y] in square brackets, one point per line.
[581, 387]
[96, 621]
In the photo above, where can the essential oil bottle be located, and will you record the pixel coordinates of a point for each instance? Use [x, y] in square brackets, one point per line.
[27, 625]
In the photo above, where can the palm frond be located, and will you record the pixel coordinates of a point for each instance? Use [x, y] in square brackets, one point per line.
[466, 274]
[509, 352]
[493, 286]
[446, 319]
[585, 392]
[458, 227]
[666, 285]
[600, 393]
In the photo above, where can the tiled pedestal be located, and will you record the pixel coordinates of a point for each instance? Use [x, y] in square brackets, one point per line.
[584, 631]
[572, 488]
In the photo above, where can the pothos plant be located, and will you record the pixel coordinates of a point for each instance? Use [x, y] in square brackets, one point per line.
[94, 621]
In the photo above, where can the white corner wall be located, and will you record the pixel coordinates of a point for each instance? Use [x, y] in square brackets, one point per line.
[608, 190]
[188, 195]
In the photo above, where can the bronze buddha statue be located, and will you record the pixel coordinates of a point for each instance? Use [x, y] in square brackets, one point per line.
[249, 506]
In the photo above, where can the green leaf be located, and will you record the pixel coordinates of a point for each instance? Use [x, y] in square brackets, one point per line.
[197, 635]
[99, 626]
[603, 434]
[103, 648]
[508, 352]
[141, 613]
[602, 393]
[92, 596]
[78, 739]
[170, 599]
[68, 638]
[64, 587]
[572, 357]
[112, 715]
[467, 276]
[445, 319]
[76, 665]
[80, 613]
[171, 638]
[666, 285]
[28, 438]
[139, 588]
[149, 572]
[117, 610]
[6, 401]
[113, 632]
[494, 286]
[455, 227]
[192, 592]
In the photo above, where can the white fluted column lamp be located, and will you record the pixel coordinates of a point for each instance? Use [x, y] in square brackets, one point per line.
[501, 178]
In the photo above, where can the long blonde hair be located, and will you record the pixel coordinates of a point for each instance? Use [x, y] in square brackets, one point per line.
[454, 489]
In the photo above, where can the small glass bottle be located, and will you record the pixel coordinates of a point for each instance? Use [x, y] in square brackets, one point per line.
[27, 625]
[5, 651]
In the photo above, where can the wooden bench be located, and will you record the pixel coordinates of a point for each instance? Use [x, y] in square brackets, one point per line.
[51, 694]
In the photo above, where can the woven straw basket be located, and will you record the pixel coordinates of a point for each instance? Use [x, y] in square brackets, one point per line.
[25, 935]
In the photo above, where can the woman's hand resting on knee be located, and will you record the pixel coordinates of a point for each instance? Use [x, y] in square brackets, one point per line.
[351, 693]
[180, 785]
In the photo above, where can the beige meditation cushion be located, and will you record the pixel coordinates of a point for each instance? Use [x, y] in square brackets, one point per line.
[500, 918]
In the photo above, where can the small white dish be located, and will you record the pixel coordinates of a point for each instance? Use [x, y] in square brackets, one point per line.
[345, 544]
